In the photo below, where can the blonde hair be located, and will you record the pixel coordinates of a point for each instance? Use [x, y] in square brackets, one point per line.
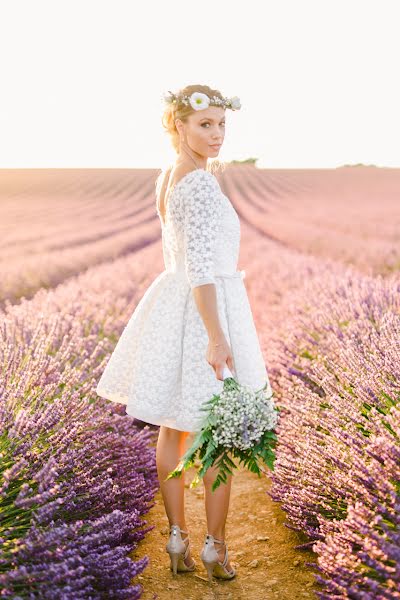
[182, 111]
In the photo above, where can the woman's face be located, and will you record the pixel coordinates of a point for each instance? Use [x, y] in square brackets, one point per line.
[204, 130]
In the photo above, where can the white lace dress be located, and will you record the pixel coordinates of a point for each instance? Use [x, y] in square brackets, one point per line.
[158, 367]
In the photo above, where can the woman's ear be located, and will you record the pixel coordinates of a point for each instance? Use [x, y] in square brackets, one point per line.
[178, 125]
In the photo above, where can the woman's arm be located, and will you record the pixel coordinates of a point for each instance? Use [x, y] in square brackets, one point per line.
[203, 213]
[205, 297]
[218, 352]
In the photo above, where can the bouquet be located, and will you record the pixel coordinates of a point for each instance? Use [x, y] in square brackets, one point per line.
[240, 422]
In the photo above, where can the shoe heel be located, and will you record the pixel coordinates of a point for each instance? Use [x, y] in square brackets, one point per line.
[174, 560]
[178, 550]
[210, 559]
[210, 569]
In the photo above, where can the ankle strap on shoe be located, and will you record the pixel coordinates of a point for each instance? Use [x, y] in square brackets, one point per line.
[225, 561]
[215, 539]
[177, 527]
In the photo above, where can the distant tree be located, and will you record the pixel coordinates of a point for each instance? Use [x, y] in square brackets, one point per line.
[358, 165]
[245, 161]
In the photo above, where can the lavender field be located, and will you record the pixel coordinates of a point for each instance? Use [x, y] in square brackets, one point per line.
[321, 250]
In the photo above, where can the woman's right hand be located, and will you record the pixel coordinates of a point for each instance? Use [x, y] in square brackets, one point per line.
[219, 356]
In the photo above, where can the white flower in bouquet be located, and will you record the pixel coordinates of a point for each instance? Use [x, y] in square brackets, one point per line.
[243, 417]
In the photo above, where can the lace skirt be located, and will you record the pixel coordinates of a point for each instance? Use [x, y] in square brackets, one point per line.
[158, 367]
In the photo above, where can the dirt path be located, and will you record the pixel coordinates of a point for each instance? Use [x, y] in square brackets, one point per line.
[267, 564]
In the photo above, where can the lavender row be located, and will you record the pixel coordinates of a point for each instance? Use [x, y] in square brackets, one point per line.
[78, 475]
[350, 215]
[40, 244]
[337, 371]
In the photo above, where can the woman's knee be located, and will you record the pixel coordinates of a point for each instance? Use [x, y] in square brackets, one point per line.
[173, 434]
[213, 471]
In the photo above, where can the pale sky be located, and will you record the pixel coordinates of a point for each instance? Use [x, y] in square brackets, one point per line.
[82, 80]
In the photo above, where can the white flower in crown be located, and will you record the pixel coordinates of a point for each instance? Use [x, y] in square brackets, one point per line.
[235, 103]
[199, 101]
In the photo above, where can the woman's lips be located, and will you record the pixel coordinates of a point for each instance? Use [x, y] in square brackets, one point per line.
[216, 146]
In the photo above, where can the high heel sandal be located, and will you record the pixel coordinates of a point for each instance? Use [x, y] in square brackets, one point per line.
[210, 558]
[178, 550]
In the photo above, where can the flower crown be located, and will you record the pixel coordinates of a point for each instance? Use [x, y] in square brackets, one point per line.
[200, 101]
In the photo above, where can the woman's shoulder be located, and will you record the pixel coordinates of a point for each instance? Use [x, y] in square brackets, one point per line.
[200, 196]
[199, 179]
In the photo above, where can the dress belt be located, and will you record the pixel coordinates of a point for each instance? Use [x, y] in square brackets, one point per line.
[241, 274]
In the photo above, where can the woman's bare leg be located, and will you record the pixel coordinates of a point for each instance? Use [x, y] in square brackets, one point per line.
[217, 507]
[170, 448]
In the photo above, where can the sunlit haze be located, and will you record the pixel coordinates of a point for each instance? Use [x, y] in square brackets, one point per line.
[82, 81]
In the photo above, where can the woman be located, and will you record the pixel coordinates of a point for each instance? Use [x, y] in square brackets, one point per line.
[193, 320]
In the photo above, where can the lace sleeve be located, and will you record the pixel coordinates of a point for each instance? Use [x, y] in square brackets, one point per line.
[202, 216]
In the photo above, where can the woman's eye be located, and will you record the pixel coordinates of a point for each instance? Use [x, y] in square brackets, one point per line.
[209, 123]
